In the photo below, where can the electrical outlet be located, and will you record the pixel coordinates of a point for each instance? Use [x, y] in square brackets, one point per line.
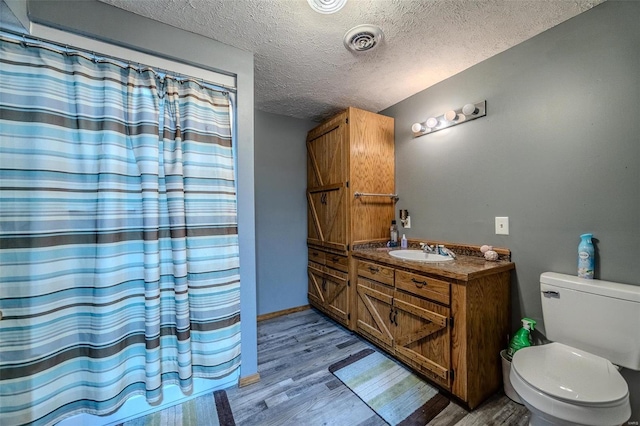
[502, 226]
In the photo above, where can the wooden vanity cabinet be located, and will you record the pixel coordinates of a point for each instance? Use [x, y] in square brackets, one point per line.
[351, 152]
[451, 331]
[404, 319]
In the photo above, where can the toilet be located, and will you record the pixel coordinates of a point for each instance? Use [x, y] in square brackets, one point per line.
[593, 325]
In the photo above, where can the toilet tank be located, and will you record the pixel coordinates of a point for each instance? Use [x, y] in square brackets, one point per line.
[600, 317]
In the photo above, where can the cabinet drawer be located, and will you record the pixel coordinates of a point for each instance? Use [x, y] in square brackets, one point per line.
[422, 286]
[317, 256]
[336, 261]
[383, 274]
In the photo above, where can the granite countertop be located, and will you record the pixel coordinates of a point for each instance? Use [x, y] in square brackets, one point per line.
[463, 268]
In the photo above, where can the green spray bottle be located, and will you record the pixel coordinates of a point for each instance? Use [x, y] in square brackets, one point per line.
[522, 338]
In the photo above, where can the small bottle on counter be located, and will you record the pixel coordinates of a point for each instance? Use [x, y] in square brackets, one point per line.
[393, 231]
[403, 242]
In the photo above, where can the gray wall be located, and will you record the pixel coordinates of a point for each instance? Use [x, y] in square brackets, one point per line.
[558, 153]
[107, 23]
[281, 220]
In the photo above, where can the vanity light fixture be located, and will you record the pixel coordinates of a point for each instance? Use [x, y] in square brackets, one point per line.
[450, 118]
[327, 6]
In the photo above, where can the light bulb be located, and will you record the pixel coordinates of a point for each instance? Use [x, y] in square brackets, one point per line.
[418, 128]
[450, 116]
[469, 109]
[432, 122]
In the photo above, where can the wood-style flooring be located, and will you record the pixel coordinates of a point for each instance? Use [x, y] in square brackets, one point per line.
[296, 388]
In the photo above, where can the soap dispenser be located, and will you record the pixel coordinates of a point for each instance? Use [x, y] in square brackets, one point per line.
[403, 242]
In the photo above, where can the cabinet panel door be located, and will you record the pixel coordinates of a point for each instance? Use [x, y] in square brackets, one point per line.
[328, 291]
[314, 292]
[375, 315]
[327, 217]
[422, 336]
[327, 153]
[336, 295]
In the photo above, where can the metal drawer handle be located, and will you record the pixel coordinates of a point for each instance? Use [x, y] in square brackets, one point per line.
[549, 293]
[374, 270]
[393, 316]
[335, 259]
[418, 284]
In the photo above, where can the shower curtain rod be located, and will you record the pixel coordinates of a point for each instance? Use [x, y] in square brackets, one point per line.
[64, 49]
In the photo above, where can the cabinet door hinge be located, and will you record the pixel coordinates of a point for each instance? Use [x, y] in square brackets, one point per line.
[451, 322]
[349, 316]
[451, 374]
[348, 283]
[347, 247]
[347, 120]
[347, 184]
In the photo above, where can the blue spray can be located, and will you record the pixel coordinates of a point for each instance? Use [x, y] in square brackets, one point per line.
[586, 257]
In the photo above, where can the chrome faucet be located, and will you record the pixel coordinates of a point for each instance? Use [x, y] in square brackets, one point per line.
[445, 251]
[426, 248]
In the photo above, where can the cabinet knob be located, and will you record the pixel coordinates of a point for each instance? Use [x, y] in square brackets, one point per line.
[374, 270]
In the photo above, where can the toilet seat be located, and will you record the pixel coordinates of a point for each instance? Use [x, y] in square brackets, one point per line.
[570, 374]
[572, 385]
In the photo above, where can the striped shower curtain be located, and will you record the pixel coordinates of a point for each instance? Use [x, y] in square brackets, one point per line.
[118, 235]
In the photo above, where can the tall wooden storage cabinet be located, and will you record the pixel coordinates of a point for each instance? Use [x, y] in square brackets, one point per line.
[352, 152]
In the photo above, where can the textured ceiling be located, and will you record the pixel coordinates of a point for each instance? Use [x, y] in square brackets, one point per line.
[303, 70]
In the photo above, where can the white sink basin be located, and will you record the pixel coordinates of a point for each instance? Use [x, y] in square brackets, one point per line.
[419, 256]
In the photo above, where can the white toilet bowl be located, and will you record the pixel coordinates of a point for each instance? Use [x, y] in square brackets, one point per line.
[562, 385]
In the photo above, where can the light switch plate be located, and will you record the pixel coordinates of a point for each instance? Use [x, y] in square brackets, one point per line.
[502, 226]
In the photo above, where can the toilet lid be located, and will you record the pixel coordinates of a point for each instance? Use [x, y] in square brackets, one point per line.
[570, 374]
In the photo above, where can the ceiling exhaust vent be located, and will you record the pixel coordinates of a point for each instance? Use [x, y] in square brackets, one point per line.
[363, 37]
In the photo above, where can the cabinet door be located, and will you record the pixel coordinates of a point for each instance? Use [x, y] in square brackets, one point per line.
[422, 336]
[375, 316]
[336, 295]
[315, 291]
[327, 153]
[327, 217]
[327, 291]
